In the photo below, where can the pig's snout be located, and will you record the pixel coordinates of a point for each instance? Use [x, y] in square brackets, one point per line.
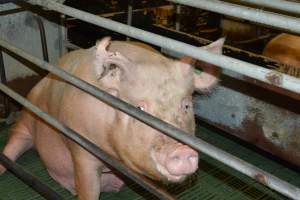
[182, 161]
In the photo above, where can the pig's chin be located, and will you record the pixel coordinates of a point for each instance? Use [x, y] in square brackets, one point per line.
[167, 177]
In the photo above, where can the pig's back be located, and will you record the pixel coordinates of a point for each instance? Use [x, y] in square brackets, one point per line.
[284, 48]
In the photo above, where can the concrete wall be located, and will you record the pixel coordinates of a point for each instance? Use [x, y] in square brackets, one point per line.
[21, 30]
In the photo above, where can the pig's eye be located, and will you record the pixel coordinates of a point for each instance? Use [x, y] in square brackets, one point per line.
[141, 108]
[142, 105]
[186, 104]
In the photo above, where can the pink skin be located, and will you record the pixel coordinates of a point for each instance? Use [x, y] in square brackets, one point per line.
[209, 77]
[155, 84]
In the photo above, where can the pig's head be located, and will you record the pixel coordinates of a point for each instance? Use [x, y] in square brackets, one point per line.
[159, 86]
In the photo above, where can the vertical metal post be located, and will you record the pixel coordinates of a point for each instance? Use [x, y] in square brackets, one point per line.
[63, 37]
[3, 80]
[129, 15]
[178, 12]
[43, 37]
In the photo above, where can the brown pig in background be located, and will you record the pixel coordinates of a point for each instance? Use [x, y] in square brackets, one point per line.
[139, 76]
[284, 48]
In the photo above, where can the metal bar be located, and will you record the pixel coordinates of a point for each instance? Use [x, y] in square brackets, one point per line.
[178, 18]
[3, 80]
[129, 15]
[28, 178]
[63, 35]
[282, 5]
[8, 1]
[251, 70]
[43, 37]
[226, 158]
[89, 146]
[291, 24]
[2, 68]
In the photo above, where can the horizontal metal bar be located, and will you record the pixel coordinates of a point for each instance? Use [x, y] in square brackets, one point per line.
[198, 144]
[88, 145]
[251, 70]
[282, 5]
[29, 179]
[291, 24]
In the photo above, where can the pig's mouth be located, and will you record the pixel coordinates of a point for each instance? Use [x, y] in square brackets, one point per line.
[170, 178]
[176, 165]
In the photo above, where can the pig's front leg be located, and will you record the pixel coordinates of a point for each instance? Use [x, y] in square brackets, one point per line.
[87, 174]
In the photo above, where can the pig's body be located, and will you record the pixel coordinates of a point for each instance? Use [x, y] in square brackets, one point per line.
[284, 48]
[146, 79]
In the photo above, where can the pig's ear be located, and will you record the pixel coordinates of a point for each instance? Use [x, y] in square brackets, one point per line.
[216, 46]
[101, 45]
[101, 54]
[208, 78]
[112, 67]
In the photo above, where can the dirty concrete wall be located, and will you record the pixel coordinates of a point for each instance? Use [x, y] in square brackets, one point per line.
[21, 29]
[268, 120]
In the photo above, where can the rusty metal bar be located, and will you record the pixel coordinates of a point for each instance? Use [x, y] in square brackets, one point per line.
[198, 144]
[251, 70]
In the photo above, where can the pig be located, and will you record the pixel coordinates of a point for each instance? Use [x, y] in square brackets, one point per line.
[144, 78]
[284, 48]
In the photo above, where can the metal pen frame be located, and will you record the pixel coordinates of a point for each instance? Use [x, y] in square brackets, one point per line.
[253, 71]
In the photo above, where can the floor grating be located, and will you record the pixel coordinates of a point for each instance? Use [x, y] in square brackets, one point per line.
[213, 180]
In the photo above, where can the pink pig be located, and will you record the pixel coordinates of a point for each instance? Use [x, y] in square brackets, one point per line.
[139, 76]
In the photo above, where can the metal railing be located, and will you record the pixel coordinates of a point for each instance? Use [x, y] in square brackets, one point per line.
[198, 144]
[250, 70]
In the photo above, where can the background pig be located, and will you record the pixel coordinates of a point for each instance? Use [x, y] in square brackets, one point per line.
[284, 48]
[148, 80]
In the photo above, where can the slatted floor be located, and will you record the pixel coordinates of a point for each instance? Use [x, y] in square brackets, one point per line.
[213, 181]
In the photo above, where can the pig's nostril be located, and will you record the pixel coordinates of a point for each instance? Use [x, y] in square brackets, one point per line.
[175, 158]
[193, 161]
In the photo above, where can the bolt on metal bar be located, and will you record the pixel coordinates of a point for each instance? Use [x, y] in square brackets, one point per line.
[291, 24]
[29, 179]
[282, 5]
[198, 144]
[86, 144]
[251, 70]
